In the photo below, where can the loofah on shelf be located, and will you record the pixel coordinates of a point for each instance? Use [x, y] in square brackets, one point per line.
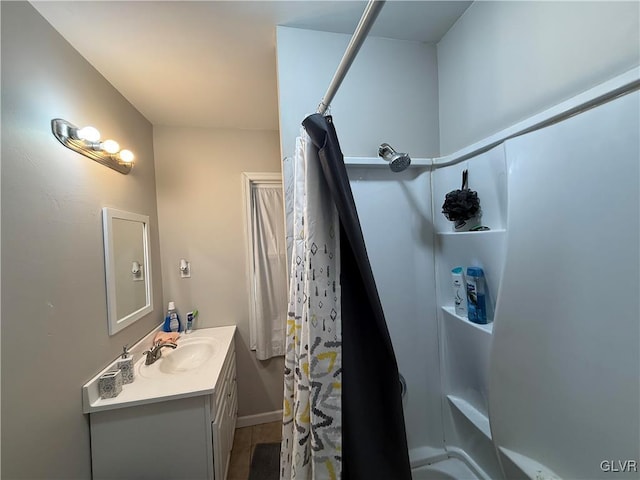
[461, 205]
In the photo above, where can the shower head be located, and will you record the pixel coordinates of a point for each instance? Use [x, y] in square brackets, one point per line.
[397, 161]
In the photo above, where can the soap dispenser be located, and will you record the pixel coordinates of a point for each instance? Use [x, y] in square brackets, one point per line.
[125, 364]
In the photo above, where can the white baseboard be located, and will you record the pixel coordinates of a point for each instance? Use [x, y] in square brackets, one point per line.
[259, 418]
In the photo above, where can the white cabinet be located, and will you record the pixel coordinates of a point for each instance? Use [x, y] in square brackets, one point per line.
[186, 437]
[223, 426]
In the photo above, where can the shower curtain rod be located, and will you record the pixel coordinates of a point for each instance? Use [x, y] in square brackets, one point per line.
[362, 30]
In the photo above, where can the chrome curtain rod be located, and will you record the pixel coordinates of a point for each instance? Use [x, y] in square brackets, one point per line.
[362, 30]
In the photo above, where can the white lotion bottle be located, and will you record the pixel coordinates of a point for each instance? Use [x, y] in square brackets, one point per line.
[459, 292]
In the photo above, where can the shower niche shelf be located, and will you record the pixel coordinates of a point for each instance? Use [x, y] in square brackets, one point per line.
[466, 349]
[465, 249]
[475, 436]
[491, 232]
[475, 416]
[525, 467]
[451, 314]
[487, 177]
[466, 346]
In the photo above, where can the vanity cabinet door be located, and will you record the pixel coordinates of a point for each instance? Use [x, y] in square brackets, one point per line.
[225, 412]
[232, 400]
[221, 445]
[164, 440]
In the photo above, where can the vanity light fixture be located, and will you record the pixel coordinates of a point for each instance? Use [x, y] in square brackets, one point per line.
[90, 134]
[86, 141]
[109, 146]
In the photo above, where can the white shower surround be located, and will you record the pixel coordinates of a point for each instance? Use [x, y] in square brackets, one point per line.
[393, 209]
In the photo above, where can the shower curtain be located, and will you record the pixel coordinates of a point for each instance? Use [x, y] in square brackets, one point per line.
[311, 443]
[358, 432]
[270, 280]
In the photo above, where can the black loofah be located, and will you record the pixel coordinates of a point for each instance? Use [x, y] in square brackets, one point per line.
[461, 205]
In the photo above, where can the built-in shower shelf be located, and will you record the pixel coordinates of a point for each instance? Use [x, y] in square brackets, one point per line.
[479, 232]
[529, 467]
[475, 416]
[450, 311]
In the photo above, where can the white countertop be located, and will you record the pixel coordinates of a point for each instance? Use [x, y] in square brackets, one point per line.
[144, 390]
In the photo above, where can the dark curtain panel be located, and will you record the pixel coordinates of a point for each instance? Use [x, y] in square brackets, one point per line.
[374, 443]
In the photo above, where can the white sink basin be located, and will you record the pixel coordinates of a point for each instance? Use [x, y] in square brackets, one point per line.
[192, 369]
[189, 355]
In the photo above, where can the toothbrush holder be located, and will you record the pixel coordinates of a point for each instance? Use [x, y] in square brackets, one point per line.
[110, 384]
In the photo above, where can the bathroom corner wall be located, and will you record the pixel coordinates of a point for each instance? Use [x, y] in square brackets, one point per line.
[503, 62]
[200, 209]
[54, 314]
[389, 95]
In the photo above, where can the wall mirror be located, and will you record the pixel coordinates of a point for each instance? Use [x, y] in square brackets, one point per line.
[127, 263]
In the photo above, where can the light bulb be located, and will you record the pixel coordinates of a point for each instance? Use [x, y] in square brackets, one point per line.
[110, 146]
[126, 156]
[89, 134]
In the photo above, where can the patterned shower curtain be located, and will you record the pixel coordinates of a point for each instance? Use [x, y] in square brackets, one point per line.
[312, 419]
[343, 415]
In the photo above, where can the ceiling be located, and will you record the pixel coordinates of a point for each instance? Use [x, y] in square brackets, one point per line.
[213, 63]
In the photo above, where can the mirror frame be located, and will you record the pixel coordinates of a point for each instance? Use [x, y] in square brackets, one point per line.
[116, 324]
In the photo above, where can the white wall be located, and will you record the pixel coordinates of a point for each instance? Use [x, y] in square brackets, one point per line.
[568, 311]
[389, 95]
[395, 216]
[505, 61]
[200, 210]
[54, 309]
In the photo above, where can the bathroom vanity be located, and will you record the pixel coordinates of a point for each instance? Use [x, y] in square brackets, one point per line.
[176, 420]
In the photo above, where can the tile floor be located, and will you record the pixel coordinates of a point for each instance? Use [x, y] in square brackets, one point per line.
[244, 442]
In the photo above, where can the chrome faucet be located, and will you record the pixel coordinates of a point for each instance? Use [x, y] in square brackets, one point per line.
[156, 351]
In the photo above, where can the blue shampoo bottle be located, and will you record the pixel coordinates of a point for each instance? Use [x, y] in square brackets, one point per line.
[476, 295]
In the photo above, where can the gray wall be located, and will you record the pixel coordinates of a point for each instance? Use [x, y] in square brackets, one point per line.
[201, 219]
[389, 95]
[54, 317]
[503, 62]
